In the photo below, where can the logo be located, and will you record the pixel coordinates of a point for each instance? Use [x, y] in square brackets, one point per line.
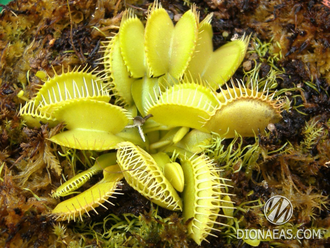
[278, 210]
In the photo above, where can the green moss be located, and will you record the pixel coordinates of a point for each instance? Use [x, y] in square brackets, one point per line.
[146, 230]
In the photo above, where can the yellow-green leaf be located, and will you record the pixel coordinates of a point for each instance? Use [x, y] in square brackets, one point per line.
[158, 36]
[121, 80]
[131, 36]
[169, 49]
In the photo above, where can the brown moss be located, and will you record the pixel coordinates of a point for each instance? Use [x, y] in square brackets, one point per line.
[23, 219]
[301, 29]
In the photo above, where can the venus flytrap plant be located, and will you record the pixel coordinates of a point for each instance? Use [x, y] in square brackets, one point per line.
[80, 179]
[195, 141]
[167, 138]
[71, 85]
[33, 117]
[180, 134]
[169, 48]
[245, 111]
[60, 89]
[169, 79]
[201, 196]
[189, 104]
[235, 109]
[119, 75]
[172, 170]
[215, 67]
[174, 173]
[143, 90]
[91, 125]
[131, 42]
[145, 176]
[91, 198]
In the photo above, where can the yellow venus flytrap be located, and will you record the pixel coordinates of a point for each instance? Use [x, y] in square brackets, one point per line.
[145, 176]
[243, 110]
[202, 196]
[91, 198]
[33, 117]
[121, 81]
[131, 44]
[92, 125]
[80, 179]
[61, 89]
[72, 85]
[169, 95]
[169, 48]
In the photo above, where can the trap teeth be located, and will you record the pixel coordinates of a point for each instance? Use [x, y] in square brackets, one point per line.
[93, 197]
[144, 175]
